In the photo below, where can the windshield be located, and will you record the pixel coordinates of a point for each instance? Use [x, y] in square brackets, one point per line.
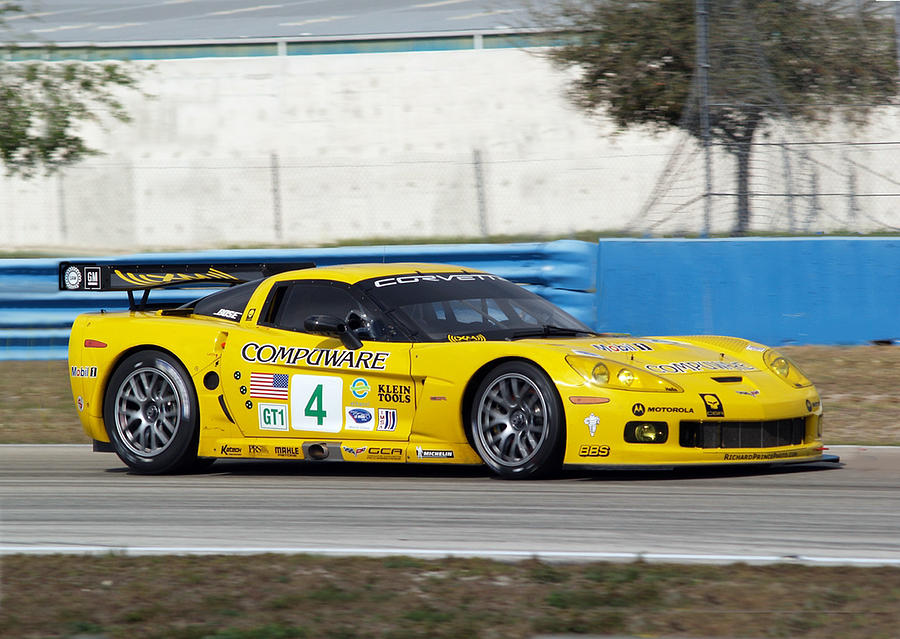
[468, 307]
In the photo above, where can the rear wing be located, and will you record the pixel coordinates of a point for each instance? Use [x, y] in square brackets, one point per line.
[94, 276]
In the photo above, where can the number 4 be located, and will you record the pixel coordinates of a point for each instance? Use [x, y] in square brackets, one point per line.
[314, 407]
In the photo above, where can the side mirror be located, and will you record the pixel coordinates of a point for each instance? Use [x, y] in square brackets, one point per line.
[331, 326]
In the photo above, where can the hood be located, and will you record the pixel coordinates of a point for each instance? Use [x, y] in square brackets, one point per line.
[683, 355]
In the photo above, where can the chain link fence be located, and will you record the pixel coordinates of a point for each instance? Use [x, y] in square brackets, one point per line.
[839, 178]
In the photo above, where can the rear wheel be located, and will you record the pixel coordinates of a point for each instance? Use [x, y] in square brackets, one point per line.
[150, 411]
[517, 422]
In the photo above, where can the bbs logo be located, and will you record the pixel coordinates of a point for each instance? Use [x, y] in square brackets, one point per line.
[593, 450]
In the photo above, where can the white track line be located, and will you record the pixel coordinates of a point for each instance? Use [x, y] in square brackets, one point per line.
[501, 555]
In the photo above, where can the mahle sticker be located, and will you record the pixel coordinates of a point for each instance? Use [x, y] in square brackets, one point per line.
[273, 416]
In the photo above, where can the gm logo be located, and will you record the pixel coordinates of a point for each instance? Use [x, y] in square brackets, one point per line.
[360, 388]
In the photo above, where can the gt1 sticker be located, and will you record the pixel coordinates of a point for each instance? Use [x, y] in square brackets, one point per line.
[359, 387]
[84, 371]
[387, 419]
[273, 416]
[714, 406]
[359, 419]
[316, 403]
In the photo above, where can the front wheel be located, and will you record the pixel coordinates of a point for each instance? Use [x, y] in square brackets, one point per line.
[517, 421]
[150, 411]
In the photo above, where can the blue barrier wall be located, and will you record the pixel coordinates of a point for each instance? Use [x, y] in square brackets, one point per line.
[776, 291]
[35, 316]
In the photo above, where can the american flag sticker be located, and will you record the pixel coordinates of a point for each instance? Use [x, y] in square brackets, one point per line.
[269, 385]
[387, 419]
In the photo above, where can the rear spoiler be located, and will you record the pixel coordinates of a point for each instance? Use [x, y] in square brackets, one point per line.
[94, 276]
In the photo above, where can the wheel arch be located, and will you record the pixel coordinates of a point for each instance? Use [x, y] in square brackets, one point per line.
[131, 350]
[479, 375]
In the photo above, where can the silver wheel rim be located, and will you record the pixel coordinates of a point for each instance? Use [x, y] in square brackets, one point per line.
[511, 419]
[148, 411]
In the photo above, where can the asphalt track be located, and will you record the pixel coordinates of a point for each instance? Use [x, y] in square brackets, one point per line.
[69, 499]
[143, 20]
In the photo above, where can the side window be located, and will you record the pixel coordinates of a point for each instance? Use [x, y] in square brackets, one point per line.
[291, 304]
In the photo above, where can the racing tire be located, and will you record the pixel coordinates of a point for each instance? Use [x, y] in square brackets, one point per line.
[151, 415]
[517, 422]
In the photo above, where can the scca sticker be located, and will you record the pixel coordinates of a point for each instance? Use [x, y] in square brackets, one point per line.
[359, 419]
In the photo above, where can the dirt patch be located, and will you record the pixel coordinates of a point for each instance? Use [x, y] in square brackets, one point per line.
[273, 596]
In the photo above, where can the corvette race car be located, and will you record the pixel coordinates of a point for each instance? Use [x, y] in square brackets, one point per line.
[412, 363]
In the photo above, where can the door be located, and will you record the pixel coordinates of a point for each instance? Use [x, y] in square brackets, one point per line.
[281, 381]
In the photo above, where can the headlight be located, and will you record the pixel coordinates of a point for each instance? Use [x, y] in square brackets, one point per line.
[610, 374]
[600, 374]
[646, 432]
[785, 369]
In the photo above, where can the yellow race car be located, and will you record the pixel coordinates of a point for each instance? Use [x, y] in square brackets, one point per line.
[412, 363]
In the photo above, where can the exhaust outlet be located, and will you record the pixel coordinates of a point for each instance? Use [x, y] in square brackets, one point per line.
[317, 451]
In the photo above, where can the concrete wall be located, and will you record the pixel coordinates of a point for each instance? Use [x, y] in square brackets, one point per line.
[307, 149]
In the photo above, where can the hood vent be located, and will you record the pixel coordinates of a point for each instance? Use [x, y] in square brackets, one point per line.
[731, 379]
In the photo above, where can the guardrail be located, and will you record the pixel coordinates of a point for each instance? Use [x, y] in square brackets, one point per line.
[35, 317]
[775, 291]
[821, 290]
